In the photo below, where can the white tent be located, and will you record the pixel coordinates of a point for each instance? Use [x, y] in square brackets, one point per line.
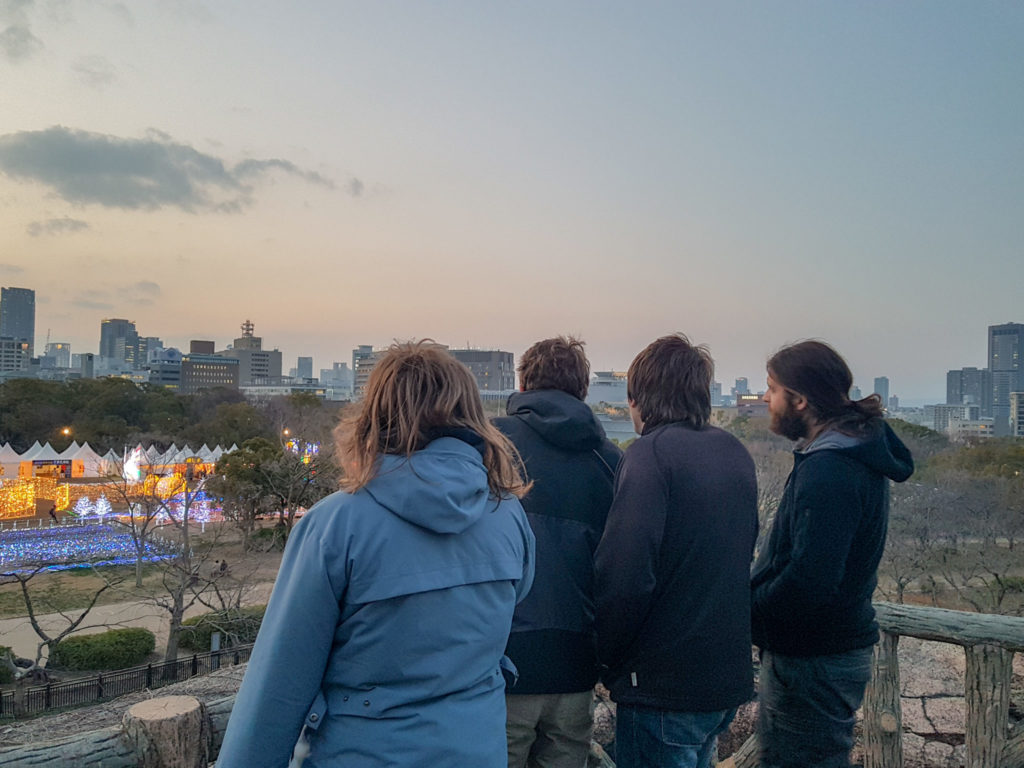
[30, 454]
[70, 451]
[10, 461]
[92, 461]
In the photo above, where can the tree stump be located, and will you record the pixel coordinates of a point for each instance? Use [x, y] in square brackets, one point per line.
[169, 732]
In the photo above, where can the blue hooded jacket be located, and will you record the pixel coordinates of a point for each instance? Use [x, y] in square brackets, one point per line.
[387, 624]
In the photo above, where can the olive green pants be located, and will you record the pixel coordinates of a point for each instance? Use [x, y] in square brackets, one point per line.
[549, 730]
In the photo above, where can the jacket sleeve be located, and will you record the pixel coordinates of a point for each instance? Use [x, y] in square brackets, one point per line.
[827, 509]
[524, 584]
[287, 666]
[626, 559]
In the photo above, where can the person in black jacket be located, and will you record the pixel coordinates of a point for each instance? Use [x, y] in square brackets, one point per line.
[813, 581]
[571, 464]
[673, 567]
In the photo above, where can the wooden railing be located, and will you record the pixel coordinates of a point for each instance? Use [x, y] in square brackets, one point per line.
[989, 643]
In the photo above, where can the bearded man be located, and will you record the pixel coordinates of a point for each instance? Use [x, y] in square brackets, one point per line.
[812, 583]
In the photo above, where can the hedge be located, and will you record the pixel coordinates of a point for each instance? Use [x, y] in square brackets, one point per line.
[113, 649]
[6, 675]
[243, 623]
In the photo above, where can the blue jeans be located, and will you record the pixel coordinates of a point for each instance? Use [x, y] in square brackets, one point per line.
[661, 738]
[807, 708]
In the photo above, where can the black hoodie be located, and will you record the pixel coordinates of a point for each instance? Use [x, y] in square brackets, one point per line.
[572, 466]
[813, 581]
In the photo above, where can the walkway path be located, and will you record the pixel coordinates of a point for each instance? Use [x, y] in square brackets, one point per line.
[19, 635]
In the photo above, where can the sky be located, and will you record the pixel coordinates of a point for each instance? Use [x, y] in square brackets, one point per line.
[490, 174]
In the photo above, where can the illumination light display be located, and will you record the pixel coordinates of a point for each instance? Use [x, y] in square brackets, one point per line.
[72, 546]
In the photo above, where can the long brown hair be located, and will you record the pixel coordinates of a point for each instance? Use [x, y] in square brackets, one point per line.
[815, 370]
[415, 389]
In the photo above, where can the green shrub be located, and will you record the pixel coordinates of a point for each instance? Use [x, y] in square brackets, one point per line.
[268, 539]
[6, 674]
[241, 624]
[113, 649]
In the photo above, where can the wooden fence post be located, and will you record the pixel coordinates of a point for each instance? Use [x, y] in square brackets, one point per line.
[883, 718]
[987, 696]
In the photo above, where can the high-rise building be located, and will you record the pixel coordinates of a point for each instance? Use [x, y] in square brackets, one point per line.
[304, 368]
[255, 364]
[1017, 414]
[118, 339]
[971, 386]
[14, 355]
[18, 316]
[741, 387]
[364, 358]
[494, 370]
[60, 351]
[882, 389]
[1005, 346]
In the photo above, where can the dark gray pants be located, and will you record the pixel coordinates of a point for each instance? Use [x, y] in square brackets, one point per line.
[807, 708]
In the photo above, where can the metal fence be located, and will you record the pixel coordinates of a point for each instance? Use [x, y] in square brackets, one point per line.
[109, 685]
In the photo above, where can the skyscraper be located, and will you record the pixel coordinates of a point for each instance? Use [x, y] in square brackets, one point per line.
[18, 316]
[882, 390]
[1005, 345]
[970, 386]
[304, 368]
[117, 336]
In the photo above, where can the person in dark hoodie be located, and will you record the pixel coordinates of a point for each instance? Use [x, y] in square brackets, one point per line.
[572, 465]
[812, 583]
[673, 567]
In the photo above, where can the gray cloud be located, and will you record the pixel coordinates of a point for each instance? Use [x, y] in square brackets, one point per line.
[355, 187]
[148, 174]
[10, 269]
[147, 286]
[94, 71]
[17, 43]
[56, 226]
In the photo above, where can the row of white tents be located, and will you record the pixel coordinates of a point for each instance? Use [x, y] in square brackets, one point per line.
[85, 462]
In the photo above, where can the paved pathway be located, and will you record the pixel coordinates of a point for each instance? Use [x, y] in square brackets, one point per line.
[19, 635]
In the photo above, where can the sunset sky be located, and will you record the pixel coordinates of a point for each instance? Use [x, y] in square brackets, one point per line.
[494, 173]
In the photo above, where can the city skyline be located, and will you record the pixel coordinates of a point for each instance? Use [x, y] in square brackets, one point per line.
[344, 174]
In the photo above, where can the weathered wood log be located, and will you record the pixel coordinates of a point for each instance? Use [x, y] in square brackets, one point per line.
[218, 712]
[957, 627]
[105, 748]
[883, 717]
[748, 755]
[169, 732]
[1013, 752]
[987, 696]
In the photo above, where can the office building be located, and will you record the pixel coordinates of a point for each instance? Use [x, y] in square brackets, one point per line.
[364, 358]
[206, 372]
[1005, 345]
[14, 355]
[493, 369]
[741, 387]
[882, 390]
[199, 347]
[1017, 414]
[255, 364]
[18, 317]
[972, 386]
[304, 368]
[60, 351]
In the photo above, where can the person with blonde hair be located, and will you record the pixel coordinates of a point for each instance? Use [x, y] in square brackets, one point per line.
[382, 643]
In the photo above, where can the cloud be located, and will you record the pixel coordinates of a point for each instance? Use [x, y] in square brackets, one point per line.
[355, 187]
[248, 168]
[17, 43]
[147, 286]
[10, 269]
[137, 174]
[94, 71]
[59, 226]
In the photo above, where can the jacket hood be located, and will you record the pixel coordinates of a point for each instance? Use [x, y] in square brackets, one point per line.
[442, 488]
[558, 417]
[878, 448]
